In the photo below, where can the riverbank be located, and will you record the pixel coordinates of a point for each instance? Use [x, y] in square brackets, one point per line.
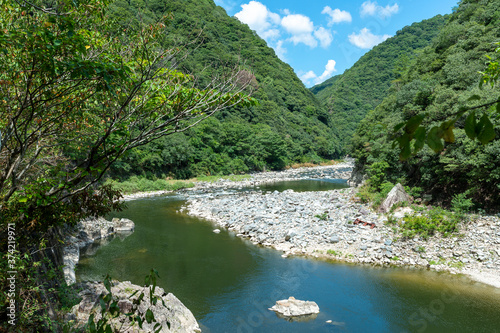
[320, 225]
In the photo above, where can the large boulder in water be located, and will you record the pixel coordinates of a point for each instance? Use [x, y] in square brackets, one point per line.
[292, 307]
[397, 194]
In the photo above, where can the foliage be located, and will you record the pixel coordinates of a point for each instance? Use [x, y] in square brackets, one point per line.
[323, 216]
[350, 96]
[436, 220]
[437, 105]
[288, 126]
[460, 203]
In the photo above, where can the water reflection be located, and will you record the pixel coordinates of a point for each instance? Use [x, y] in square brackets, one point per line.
[230, 284]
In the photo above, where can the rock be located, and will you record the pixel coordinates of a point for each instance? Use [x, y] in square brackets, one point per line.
[173, 317]
[334, 239]
[293, 308]
[397, 194]
[216, 231]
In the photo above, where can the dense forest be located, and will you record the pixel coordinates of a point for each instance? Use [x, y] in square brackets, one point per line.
[439, 83]
[287, 126]
[350, 96]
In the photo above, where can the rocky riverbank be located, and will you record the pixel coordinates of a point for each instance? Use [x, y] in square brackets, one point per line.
[320, 224]
[90, 234]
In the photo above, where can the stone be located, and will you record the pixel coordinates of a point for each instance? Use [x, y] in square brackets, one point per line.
[397, 194]
[216, 231]
[293, 308]
[173, 316]
[334, 239]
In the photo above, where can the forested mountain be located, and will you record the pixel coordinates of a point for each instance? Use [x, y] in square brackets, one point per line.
[350, 96]
[287, 126]
[437, 84]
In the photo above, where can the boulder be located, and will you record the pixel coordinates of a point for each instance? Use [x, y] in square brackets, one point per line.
[397, 194]
[170, 313]
[292, 307]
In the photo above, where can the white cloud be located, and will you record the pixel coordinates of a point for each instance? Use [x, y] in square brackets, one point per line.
[324, 36]
[365, 39]
[297, 24]
[270, 26]
[329, 70]
[280, 50]
[260, 19]
[369, 8]
[301, 28]
[308, 76]
[336, 15]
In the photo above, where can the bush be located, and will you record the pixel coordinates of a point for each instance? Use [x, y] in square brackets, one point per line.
[460, 204]
[437, 220]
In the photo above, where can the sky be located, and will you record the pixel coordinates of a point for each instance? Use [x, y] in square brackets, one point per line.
[323, 38]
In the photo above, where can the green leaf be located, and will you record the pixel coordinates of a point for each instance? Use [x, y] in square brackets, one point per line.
[414, 123]
[487, 132]
[419, 139]
[23, 199]
[405, 152]
[434, 139]
[474, 98]
[448, 135]
[470, 125]
[399, 126]
[150, 317]
[498, 107]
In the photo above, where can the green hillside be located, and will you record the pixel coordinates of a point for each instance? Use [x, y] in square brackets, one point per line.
[438, 84]
[289, 125]
[349, 97]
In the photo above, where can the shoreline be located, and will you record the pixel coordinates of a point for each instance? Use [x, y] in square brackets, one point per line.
[319, 225]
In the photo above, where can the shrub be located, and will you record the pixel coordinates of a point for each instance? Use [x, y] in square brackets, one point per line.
[437, 220]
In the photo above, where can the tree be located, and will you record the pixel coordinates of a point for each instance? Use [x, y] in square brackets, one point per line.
[74, 97]
[482, 130]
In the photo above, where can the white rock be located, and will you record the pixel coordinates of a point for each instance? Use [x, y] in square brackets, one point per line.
[216, 231]
[292, 308]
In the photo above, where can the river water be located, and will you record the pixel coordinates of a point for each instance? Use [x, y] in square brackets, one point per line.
[229, 284]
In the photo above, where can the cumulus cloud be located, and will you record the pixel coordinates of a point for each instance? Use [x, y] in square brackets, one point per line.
[301, 28]
[329, 70]
[297, 24]
[369, 8]
[308, 76]
[260, 19]
[271, 27]
[366, 39]
[336, 15]
[324, 36]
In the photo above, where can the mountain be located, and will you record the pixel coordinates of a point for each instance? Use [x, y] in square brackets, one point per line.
[288, 126]
[437, 84]
[349, 96]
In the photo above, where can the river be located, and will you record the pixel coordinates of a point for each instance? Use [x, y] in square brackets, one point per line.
[229, 283]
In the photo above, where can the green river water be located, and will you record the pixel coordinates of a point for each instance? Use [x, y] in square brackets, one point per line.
[229, 284]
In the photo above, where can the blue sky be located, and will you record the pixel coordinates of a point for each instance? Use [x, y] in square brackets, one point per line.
[323, 38]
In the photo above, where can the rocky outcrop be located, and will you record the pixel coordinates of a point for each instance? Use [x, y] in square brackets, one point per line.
[88, 232]
[396, 195]
[169, 312]
[292, 307]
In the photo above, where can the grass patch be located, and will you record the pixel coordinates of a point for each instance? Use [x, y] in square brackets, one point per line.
[310, 164]
[334, 253]
[213, 179]
[138, 184]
